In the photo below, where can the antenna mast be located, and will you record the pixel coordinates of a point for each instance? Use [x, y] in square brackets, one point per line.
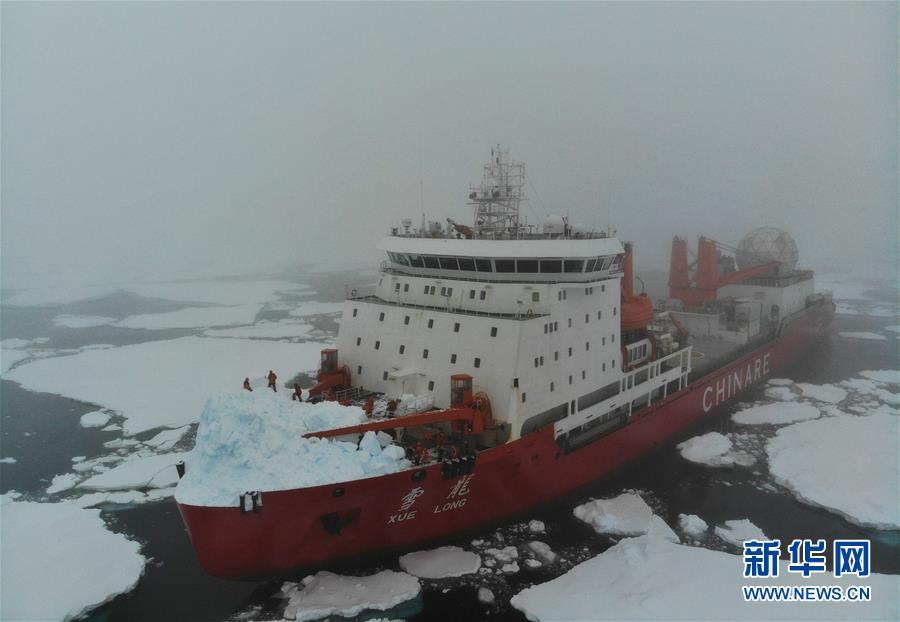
[497, 199]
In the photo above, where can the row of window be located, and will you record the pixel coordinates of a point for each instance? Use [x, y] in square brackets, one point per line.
[525, 266]
[456, 325]
[588, 291]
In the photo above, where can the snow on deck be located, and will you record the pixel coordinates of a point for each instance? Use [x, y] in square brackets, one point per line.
[441, 563]
[60, 561]
[254, 441]
[845, 463]
[649, 578]
[625, 515]
[163, 383]
[776, 414]
[326, 594]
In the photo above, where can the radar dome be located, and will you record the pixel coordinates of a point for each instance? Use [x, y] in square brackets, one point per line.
[554, 225]
[767, 244]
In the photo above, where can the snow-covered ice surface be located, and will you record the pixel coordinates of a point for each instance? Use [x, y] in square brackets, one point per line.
[326, 594]
[9, 357]
[776, 414]
[60, 561]
[82, 321]
[822, 392]
[735, 532]
[625, 515]
[163, 383]
[886, 376]
[95, 419]
[58, 295]
[193, 317]
[441, 563]
[818, 461]
[63, 482]
[264, 330]
[166, 439]
[649, 578]
[254, 441]
[710, 449]
[862, 335]
[313, 307]
[780, 393]
[692, 525]
[137, 471]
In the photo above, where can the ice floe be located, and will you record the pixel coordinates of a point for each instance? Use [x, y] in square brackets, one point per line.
[60, 561]
[625, 515]
[536, 526]
[95, 419]
[692, 525]
[780, 393]
[314, 307]
[650, 578]
[710, 449]
[264, 330]
[485, 595]
[776, 414]
[82, 321]
[135, 472]
[735, 532]
[504, 555]
[254, 441]
[441, 563]
[846, 464]
[193, 317]
[542, 551]
[327, 594]
[8, 460]
[61, 483]
[162, 383]
[822, 392]
[886, 376]
[862, 335]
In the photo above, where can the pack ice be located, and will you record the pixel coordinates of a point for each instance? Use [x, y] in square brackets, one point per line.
[254, 441]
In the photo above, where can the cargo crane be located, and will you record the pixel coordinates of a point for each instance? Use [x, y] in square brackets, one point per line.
[711, 270]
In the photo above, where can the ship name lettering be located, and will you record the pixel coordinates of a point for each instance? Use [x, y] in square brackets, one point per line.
[727, 386]
[450, 505]
[399, 518]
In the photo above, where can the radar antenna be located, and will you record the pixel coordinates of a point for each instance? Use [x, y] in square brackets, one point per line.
[497, 199]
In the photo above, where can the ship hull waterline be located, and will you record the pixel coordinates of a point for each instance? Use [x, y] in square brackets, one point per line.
[310, 527]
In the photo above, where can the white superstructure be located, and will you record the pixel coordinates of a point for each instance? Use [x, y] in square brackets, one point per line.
[533, 317]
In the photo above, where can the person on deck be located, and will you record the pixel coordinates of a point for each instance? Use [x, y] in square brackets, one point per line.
[297, 394]
[272, 378]
[247, 384]
[370, 405]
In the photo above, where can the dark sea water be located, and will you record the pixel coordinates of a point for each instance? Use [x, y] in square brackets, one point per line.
[42, 431]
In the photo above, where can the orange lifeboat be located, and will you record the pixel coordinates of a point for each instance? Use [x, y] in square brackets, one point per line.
[637, 311]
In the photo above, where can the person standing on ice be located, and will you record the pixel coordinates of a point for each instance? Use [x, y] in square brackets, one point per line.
[272, 378]
[297, 394]
[247, 384]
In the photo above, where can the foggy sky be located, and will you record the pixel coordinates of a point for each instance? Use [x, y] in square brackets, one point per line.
[162, 139]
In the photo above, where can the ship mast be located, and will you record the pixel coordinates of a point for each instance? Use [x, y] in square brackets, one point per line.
[497, 199]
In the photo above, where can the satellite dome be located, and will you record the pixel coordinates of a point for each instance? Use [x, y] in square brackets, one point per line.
[767, 244]
[554, 225]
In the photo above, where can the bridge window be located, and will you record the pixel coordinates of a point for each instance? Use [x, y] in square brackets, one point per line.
[527, 265]
[467, 263]
[573, 265]
[416, 261]
[551, 265]
[431, 262]
[607, 262]
[591, 265]
[505, 265]
[483, 265]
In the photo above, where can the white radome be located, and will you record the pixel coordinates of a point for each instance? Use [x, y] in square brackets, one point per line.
[767, 244]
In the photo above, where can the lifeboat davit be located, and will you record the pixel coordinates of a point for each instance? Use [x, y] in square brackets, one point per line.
[637, 311]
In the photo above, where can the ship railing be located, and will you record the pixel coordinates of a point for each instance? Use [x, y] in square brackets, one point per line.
[351, 394]
[448, 309]
[388, 268]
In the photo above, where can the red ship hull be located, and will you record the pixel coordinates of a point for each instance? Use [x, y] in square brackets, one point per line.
[313, 526]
